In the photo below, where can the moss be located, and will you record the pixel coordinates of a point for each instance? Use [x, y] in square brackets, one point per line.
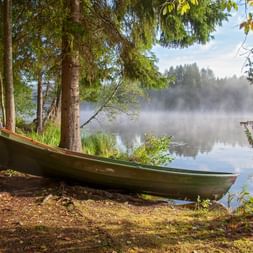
[244, 245]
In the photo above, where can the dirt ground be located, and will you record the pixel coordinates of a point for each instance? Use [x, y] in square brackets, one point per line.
[44, 215]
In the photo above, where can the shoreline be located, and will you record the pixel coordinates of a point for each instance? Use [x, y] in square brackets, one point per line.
[44, 215]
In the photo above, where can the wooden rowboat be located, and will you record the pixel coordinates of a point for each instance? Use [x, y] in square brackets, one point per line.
[26, 155]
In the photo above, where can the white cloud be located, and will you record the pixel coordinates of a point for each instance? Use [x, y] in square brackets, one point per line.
[210, 45]
[224, 62]
[225, 55]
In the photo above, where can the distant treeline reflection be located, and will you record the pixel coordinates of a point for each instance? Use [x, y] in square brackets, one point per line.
[199, 89]
[193, 133]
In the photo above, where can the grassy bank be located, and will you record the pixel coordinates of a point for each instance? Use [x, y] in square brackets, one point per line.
[153, 150]
[42, 215]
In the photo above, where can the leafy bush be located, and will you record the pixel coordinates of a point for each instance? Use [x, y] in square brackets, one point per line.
[245, 200]
[153, 151]
[202, 204]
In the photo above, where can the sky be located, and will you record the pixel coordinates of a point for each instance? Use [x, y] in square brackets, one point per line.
[225, 54]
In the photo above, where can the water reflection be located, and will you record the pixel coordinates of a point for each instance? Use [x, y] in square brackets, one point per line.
[201, 141]
[193, 133]
[248, 133]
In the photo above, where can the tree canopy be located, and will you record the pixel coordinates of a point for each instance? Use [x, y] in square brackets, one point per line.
[113, 36]
[113, 39]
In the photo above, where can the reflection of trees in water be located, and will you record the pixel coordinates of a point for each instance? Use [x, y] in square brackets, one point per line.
[190, 150]
[193, 133]
[247, 131]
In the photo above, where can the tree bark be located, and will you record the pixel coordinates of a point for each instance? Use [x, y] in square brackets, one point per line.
[54, 112]
[70, 109]
[8, 71]
[2, 107]
[39, 126]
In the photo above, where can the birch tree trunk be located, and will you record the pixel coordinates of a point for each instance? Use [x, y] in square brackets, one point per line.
[8, 71]
[70, 109]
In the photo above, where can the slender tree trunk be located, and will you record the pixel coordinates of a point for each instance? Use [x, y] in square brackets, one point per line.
[70, 109]
[54, 112]
[57, 112]
[39, 126]
[8, 72]
[2, 107]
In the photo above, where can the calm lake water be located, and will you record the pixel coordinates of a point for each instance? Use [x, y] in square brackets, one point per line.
[201, 141]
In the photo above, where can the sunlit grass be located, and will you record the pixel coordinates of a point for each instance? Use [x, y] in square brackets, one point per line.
[50, 135]
[153, 150]
[100, 144]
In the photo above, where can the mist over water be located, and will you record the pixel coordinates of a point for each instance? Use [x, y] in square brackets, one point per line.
[201, 141]
[192, 132]
[195, 89]
[202, 113]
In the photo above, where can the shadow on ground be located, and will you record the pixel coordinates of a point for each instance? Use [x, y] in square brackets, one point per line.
[45, 215]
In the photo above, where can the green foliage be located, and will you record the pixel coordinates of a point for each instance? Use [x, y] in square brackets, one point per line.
[125, 99]
[249, 67]
[231, 197]
[50, 135]
[247, 26]
[154, 151]
[203, 204]
[192, 21]
[114, 38]
[246, 202]
[182, 7]
[248, 135]
[10, 173]
[229, 5]
[23, 100]
[100, 144]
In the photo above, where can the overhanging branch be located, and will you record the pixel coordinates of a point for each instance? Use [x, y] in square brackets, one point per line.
[107, 100]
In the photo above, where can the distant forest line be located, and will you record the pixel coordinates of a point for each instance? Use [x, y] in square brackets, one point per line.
[198, 89]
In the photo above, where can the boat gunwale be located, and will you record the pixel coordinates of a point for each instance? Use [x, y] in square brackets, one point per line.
[161, 169]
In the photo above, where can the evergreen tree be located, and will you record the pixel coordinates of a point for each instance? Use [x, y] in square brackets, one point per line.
[112, 39]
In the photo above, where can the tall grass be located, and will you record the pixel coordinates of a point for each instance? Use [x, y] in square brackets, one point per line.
[100, 144]
[50, 135]
[154, 150]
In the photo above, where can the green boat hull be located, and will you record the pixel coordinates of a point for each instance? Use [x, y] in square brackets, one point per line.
[23, 154]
